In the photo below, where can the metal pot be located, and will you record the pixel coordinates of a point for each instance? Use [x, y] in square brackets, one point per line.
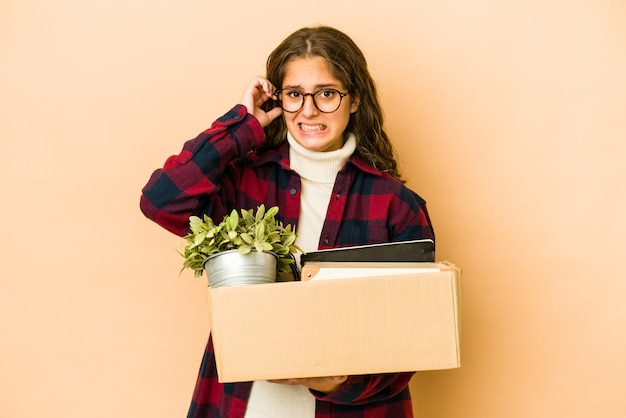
[233, 269]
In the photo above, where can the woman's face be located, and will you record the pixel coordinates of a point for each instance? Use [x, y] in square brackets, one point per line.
[311, 128]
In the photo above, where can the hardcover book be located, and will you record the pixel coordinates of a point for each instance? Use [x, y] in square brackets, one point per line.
[422, 250]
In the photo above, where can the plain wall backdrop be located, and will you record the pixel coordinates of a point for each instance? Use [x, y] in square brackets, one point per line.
[510, 120]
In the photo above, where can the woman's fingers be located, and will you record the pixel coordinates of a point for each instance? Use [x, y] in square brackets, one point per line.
[259, 91]
[321, 384]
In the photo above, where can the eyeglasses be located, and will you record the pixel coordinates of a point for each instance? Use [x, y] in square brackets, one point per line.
[325, 100]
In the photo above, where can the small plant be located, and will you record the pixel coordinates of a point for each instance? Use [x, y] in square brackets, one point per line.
[250, 231]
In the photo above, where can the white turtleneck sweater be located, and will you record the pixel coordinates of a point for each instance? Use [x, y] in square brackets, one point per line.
[317, 171]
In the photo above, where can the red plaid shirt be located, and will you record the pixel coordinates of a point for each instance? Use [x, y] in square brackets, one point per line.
[215, 173]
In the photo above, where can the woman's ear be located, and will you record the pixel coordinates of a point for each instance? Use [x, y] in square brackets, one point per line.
[354, 106]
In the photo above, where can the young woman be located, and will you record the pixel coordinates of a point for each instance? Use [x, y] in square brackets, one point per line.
[308, 138]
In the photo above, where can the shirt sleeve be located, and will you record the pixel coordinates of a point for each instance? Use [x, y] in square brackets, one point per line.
[363, 389]
[194, 180]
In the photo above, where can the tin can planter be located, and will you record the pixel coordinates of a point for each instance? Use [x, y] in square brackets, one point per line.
[230, 268]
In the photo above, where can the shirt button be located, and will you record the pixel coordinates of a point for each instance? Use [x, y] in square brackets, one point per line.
[337, 196]
[292, 192]
[325, 240]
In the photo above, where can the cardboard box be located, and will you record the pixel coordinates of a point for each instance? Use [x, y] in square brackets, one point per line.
[395, 321]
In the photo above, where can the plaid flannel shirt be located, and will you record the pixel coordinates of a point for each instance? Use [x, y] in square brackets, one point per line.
[215, 172]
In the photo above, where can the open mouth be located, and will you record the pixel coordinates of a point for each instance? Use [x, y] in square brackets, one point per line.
[311, 128]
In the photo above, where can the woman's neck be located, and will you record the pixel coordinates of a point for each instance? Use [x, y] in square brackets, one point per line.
[319, 166]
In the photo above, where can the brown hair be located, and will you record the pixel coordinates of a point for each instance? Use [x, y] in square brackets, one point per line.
[349, 66]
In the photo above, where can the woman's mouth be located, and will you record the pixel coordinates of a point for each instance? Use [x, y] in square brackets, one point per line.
[311, 128]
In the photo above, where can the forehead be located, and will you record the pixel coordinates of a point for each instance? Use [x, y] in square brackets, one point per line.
[309, 73]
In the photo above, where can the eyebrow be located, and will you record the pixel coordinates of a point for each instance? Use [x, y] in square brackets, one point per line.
[316, 87]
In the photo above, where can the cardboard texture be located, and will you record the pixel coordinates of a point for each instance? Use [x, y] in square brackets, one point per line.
[363, 325]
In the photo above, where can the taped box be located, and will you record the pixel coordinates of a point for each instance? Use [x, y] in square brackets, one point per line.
[343, 318]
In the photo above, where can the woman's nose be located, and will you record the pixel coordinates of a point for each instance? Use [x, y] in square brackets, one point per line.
[308, 107]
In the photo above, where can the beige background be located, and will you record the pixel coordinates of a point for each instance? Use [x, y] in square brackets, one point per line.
[511, 120]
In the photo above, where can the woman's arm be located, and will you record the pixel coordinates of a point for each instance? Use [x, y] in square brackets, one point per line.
[193, 179]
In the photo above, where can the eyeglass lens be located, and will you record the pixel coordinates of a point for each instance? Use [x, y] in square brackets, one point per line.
[326, 100]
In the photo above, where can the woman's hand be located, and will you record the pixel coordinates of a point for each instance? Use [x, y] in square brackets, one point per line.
[320, 384]
[258, 92]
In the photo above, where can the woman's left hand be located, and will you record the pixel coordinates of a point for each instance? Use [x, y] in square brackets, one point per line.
[320, 384]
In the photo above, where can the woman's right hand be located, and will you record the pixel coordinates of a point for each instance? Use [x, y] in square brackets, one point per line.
[258, 92]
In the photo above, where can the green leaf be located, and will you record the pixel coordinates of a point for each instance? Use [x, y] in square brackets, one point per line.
[232, 221]
[262, 246]
[281, 250]
[272, 212]
[244, 249]
[247, 238]
[199, 238]
[260, 232]
[260, 212]
[289, 239]
[194, 223]
[273, 236]
[248, 218]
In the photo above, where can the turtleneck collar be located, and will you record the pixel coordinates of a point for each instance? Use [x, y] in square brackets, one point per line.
[319, 166]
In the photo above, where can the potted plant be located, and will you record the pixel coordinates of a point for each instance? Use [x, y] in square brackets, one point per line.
[247, 248]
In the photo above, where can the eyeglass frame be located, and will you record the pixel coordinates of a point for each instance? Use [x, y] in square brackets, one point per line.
[304, 95]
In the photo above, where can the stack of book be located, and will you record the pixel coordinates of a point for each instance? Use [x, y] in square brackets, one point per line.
[366, 259]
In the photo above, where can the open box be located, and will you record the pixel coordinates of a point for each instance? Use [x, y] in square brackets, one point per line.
[393, 317]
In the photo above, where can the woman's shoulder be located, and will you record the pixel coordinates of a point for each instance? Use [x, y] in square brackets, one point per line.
[374, 173]
[384, 182]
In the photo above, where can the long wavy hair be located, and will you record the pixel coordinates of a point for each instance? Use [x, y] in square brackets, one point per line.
[347, 64]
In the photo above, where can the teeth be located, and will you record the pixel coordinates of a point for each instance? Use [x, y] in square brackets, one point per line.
[311, 128]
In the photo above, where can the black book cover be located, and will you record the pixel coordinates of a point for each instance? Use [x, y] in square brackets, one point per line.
[403, 251]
